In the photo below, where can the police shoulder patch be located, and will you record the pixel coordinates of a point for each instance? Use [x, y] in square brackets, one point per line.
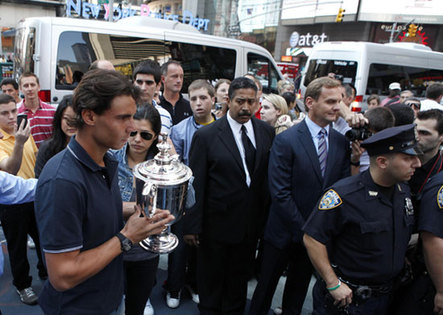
[440, 198]
[330, 200]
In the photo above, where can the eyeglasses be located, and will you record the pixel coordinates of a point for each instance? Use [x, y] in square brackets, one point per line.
[144, 134]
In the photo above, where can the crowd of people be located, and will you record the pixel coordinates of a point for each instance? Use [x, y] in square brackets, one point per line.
[321, 191]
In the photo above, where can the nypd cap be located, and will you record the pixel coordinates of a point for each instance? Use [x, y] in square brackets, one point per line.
[399, 139]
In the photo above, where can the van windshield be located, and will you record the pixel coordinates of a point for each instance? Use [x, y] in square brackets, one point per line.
[410, 78]
[343, 70]
[24, 50]
[263, 69]
[77, 50]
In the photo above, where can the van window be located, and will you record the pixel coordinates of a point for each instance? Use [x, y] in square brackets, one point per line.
[344, 70]
[77, 50]
[410, 78]
[24, 47]
[259, 66]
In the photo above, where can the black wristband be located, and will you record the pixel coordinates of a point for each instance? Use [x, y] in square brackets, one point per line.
[355, 163]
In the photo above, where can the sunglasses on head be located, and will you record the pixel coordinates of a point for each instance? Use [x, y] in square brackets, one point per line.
[417, 105]
[144, 134]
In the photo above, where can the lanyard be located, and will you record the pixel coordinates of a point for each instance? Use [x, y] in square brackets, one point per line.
[439, 159]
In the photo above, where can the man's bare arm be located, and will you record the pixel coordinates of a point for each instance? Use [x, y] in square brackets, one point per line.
[13, 163]
[67, 270]
[320, 260]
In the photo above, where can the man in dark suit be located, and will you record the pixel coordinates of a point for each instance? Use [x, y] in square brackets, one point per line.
[229, 159]
[304, 161]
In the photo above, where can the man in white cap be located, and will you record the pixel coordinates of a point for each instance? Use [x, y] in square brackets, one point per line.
[394, 94]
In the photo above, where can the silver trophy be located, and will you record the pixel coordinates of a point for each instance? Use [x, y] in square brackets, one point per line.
[162, 183]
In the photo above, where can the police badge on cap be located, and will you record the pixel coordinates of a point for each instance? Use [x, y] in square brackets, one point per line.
[401, 139]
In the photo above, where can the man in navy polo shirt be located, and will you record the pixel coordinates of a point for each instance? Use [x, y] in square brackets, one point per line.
[79, 208]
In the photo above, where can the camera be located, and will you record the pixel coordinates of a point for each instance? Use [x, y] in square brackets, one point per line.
[361, 133]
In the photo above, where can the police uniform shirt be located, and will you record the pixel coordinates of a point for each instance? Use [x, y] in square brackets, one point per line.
[365, 233]
[431, 214]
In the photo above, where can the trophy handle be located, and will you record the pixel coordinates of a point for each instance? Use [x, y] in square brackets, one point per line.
[150, 191]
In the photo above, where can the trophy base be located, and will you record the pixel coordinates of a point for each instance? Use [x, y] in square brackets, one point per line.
[163, 243]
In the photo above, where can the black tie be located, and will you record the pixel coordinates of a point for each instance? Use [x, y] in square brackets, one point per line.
[249, 150]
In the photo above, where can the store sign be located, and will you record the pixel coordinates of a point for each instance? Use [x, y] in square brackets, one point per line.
[306, 40]
[90, 10]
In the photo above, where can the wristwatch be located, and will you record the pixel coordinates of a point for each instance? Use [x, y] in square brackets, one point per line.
[125, 242]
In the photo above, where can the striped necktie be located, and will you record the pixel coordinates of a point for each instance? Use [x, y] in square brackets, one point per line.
[322, 150]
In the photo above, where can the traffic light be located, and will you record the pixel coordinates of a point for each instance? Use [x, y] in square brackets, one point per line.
[412, 31]
[340, 15]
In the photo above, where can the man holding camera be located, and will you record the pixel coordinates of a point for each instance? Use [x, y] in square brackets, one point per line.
[359, 232]
[304, 161]
[17, 157]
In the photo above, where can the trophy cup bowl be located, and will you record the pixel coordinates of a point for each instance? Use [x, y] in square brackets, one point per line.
[162, 183]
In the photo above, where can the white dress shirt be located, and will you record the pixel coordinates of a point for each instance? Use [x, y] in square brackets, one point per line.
[314, 129]
[236, 132]
[15, 190]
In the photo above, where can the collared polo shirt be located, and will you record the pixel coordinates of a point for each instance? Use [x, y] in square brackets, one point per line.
[165, 118]
[40, 121]
[181, 110]
[29, 154]
[78, 207]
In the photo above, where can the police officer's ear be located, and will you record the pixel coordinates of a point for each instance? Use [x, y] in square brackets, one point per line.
[382, 161]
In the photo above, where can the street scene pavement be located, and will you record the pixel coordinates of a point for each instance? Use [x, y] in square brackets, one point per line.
[10, 303]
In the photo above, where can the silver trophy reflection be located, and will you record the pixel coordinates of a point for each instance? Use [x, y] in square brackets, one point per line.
[162, 183]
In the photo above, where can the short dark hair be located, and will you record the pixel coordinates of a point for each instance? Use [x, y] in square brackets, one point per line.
[289, 97]
[241, 83]
[27, 75]
[433, 114]
[6, 99]
[148, 67]
[97, 89]
[403, 114]
[315, 87]
[380, 118]
[165, 66]
[434, 91]
[349, 88]
[9, 81]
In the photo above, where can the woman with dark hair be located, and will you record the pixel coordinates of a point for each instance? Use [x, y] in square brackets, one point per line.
[140, 265]
[63, 130]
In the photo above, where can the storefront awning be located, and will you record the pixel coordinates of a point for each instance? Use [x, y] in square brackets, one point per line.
[299, 51]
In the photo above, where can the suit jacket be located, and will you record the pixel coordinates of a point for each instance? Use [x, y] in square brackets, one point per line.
[295, 180]
[226, 209]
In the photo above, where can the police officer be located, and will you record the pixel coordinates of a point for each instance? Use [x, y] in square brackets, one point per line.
[430, 225]
[358, 235]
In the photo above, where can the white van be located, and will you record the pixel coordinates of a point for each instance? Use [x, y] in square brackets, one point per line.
[60, 50]
[372, 67]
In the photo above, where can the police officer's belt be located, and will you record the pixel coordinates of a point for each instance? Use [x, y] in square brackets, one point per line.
[365, 292]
